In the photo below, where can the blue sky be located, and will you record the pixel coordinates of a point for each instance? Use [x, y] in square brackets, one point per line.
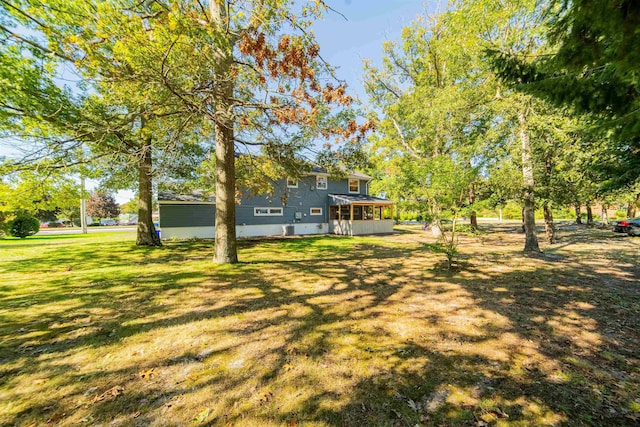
[345, 43]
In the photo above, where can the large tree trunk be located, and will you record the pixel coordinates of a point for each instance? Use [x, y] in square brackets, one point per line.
[226, 246]
[531, 238]
[473, 218]
[589, 215]
[146, 234]
[549, 226]
[576, 207]
[226, 251]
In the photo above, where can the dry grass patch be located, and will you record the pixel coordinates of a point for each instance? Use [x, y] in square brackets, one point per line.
[321, 331]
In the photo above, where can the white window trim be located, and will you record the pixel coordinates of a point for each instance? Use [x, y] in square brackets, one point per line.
[326, 182]
[271, 211]
[292, 185]
[315, 214]
[349, 185]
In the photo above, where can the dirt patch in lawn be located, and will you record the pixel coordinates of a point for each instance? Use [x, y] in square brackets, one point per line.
[323, 331]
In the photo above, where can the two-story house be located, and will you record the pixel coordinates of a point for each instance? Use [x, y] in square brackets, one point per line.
[314, 204]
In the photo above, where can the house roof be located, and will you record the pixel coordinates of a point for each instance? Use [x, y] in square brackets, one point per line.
[196, 196]
[358, 199]
[353, 175]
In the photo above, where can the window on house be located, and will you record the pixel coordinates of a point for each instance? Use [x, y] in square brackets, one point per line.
[334, 212]
[354, 186]
[267, 211]
[292, 183]
[368, 212]
[357, 213]
[345, 212]
[378, 212]
[315, 211]
[321, 182]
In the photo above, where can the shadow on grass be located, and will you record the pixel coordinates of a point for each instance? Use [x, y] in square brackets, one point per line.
[553, 343]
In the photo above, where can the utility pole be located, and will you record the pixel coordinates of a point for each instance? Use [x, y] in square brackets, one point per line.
[83, 209]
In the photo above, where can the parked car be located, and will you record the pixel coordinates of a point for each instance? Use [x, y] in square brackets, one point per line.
[633, 227]
[108, 222]
[621, 226]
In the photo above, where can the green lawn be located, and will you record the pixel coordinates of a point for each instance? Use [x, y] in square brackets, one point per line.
[321, 331]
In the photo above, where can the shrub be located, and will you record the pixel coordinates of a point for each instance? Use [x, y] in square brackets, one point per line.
[23, 225]
[512, 210]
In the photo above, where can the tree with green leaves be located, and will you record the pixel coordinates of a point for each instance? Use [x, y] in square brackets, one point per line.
[109, 120]
[259, 81]
[259, 84]
[431, 95]
[37, 193]
[592, 69]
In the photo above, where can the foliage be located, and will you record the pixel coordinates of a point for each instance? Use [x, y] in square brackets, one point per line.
[130, 207]
[259, 85]
[37, 191]
[102, 205]
[592, 70]
[429, 94]
[23, 225]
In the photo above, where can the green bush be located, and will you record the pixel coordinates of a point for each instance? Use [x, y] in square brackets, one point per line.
[23, 225]
[620, 214]
[512, 210]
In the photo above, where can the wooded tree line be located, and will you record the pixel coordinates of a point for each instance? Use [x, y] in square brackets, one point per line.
[534, 101]
[520, 100]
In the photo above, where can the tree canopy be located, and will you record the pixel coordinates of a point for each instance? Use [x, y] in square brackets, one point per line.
[591, 69]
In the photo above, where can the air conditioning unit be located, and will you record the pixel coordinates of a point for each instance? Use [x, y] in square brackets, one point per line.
[288, 230]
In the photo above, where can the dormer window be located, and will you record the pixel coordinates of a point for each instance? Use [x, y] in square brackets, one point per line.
[321, 182]
[292, 183]
[354, 186]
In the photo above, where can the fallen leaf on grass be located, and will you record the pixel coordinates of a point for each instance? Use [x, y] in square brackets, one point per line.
[148, 373]
[56, 417]
[266, 398]
[112, 392]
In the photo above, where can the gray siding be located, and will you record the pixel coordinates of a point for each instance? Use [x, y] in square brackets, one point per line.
[300, 199]
[187, 215]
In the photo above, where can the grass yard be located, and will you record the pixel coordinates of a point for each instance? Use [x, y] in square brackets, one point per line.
[321, 331]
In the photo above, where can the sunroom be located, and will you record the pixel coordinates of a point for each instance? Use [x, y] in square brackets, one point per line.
[357, 214]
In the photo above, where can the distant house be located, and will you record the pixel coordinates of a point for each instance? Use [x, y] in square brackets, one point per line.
[315, 204]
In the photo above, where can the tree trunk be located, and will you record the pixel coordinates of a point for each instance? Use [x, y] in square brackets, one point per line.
[146, 233]
[529, 219]
[589, 215]
[631, 208]
[576, 207]
[226, 251]
[605, 216]
[549, 226]
[473, 218]
[225, 245]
